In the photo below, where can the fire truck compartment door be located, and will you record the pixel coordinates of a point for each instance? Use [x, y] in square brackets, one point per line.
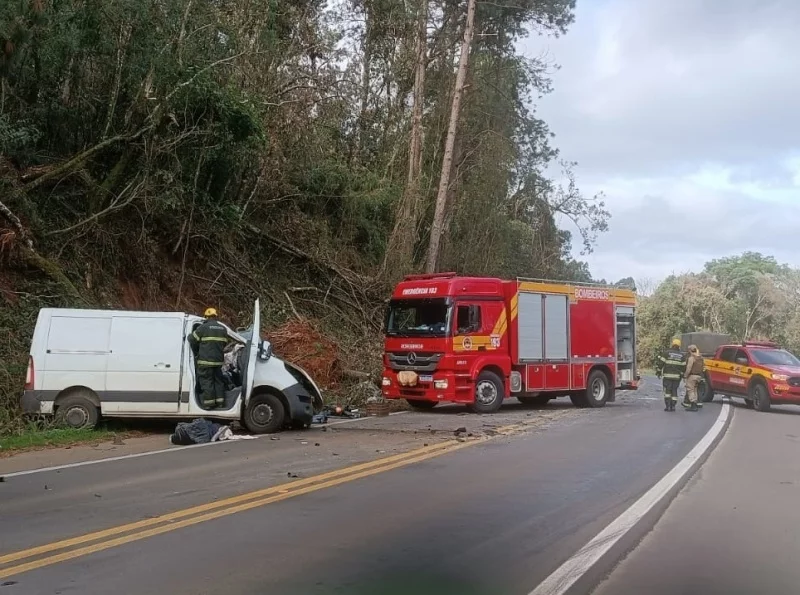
[556, 376]
[555, 329]
[534, 377]
[529, 326]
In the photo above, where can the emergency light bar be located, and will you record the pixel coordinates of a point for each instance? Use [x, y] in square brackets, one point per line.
[427, 276]
[760, 344]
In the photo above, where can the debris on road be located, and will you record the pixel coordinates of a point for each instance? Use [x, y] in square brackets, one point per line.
[201, 431]
[335, 411]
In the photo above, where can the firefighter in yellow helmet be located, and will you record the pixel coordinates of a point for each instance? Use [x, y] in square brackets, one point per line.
[670, 367]
[208, 344]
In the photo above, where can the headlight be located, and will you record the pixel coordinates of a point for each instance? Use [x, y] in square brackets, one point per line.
[386, 381]
[780, 377]
[440, 384]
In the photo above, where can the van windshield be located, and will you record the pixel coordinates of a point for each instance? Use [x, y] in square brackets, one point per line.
[418, 318]
[774, 357]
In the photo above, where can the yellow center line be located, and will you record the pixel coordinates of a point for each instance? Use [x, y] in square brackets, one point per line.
[222, 508]
[36, 551]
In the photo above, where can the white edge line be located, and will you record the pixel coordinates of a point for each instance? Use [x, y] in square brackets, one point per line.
[570, 571]
[156, 452]
[110, 459]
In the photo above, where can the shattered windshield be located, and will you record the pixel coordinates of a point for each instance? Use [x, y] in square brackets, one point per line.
[774, 357]
[418, 318]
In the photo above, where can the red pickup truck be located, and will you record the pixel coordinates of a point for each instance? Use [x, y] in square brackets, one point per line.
[759, 372]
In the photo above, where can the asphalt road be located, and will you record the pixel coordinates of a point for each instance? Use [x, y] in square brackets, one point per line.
[491, 517]
[734, 527]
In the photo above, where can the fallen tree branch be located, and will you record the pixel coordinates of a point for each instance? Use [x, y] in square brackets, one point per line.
[114, 206]
[291, 305]
[79, 159]
[356, 375]
[17, 225]
[347, 275]
[36, 260]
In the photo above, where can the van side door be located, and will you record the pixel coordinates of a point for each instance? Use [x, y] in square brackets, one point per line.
[76, 353]
[144, 366]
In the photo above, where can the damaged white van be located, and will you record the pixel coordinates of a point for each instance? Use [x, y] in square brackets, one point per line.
[88, 363]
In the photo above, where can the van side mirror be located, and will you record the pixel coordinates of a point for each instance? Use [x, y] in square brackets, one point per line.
[264, 351]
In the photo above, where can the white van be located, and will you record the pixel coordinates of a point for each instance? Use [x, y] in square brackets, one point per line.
[87, 363]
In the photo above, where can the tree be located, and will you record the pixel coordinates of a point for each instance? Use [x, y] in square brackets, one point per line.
[438, 225]
[158, 154]
[403, 238]
[626, 283]
[749, 296]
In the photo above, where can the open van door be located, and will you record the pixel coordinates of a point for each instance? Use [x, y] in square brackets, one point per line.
[251, 353]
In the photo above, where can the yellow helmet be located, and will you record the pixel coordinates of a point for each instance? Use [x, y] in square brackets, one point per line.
[210, 312]
[676, 342]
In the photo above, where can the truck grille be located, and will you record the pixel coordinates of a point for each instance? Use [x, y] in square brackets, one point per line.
[411, 360]
[794, 381]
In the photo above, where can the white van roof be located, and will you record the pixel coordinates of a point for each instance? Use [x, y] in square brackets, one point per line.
[85, 313]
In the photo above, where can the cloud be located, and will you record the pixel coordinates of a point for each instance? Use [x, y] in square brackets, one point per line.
[685, 114]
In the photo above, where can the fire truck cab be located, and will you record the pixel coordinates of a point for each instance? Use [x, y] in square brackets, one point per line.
[477, 341]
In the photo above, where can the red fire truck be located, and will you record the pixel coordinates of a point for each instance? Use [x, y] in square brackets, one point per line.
[478, 341]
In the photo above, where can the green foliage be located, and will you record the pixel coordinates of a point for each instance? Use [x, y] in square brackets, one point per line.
[163, 154]
[749, 296]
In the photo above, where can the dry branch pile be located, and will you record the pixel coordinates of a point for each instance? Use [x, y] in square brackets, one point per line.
[299, 342]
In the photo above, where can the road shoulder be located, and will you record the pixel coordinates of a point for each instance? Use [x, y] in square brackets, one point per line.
[580, 573]
[733, 529]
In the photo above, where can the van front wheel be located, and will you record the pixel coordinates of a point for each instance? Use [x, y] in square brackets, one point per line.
[77, 412]
[264, 414]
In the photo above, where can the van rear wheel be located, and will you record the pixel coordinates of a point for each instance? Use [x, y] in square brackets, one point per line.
[264, 414]
[78, 412]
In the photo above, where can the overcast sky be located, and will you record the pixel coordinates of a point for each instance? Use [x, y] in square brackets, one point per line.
[686, 113]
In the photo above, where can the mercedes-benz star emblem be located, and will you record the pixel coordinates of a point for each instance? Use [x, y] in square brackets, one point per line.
[411, 358]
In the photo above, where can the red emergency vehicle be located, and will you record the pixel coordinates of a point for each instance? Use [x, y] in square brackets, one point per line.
[479, 340]
[760, 372]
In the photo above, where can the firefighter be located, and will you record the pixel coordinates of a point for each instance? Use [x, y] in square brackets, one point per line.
[693, 375]
[670, 368]
[208, 344]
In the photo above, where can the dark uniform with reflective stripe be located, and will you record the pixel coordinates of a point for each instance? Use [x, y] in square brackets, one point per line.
[208, 343]
[671, 366]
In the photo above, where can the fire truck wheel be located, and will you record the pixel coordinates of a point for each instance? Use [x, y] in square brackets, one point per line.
[488, 393]
[423, 405]
[598, 389]
[538, 401]
[579, 399]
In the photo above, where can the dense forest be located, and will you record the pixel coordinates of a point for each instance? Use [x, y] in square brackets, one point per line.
[171, 154]
[750, 296]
